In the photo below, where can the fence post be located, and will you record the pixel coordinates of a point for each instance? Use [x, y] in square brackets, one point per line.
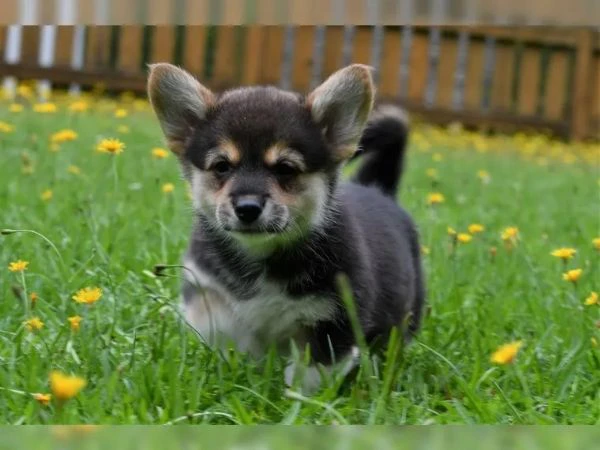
[582, 90]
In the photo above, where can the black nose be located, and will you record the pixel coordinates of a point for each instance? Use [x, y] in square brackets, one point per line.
[248, 208]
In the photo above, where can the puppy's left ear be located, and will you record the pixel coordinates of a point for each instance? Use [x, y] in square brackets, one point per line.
[341, 106]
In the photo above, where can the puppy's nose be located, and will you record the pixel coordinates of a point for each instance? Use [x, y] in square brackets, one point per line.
[248, 208]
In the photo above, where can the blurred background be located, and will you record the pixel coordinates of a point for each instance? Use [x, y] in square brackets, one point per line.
[488, 76]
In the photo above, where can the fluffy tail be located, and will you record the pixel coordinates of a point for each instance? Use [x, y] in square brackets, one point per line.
[382, 146]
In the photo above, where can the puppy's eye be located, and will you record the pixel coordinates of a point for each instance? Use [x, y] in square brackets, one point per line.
[221, 167]
[285, 169]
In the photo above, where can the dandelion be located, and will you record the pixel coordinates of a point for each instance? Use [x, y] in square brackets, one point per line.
[160, 153]
[475, 228]
[572, 275]
[78, 106]
[65, 387]
[45, 108]
[25, 91]
[74, 170]
[75, 322]
[15, 108]
[18, 266]
[592, 299]
[112, 146]
[167, 188]
[123, 129]
[34, 324]
[88, 295]
[63, 136]
[432, 173]
[451, 231]
[564, 253]
[510, 234]
[121, 113]
[425, 250]
[484, 176]
[46, 195]
[507, 353]
[435, 198]
[42, 399]
[34, 298]
[6, 127]
[596, 243]
[464, 238]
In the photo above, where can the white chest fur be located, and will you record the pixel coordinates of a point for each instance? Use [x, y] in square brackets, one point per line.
[269, 318]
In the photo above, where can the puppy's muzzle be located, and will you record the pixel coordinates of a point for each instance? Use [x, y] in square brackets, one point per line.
[248, 208]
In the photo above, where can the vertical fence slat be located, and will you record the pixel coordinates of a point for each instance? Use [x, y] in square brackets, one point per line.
[460, 72]
[163, 44]
[224, 73]
[390, 64]
[474, 78]
[194, 49]
[556, 84]
[272, 64]
[348, 45]
[64, 45]
[255, 54]
[287, 60]
[582, 94]
[503, 78]
[97, 46]
[318, 55]
[489, 66]
[418, 65]
[447, 67]
[404, 69]
[302, 58]
[334, 42]
[529, 78]
[595, 112]
[361, 51]
[433, 63]
[130, 48]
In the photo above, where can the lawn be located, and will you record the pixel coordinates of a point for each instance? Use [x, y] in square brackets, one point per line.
[104, 221]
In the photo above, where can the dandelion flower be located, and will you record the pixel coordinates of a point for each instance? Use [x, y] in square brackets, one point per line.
[42, 399]
[45, 108]
[507, 353]
[65, 387]
[18, 266]
[475, 228]
[75, 322]
[167, 188]
[564, 253]
[451, 231]
[34, 324]
[435, 198]
[596, 243]
[6, 127]
[464, 238]
[63, 136]
[88, 295]
[113, 146]
[160, 153]
[572, 275]
[34, 298]
[25, 91]
[121, 113]
[15, 108]
[78, 106]
[510, 234]
[592, 299]
[46, 195]
[74, 170]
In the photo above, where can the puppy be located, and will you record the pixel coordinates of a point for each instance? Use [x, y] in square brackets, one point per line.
[275, 225]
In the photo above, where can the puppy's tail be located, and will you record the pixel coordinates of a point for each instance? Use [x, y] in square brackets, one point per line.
[382, 146]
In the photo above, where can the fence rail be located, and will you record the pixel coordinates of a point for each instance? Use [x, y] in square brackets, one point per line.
[492, 77]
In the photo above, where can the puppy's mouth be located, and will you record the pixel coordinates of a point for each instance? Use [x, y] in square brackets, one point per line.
[256, 230]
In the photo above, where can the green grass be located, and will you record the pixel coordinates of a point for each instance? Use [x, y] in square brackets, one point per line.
[112, 224]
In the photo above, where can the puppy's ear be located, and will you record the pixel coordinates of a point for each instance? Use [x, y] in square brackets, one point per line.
[341, 106]
[179, 101]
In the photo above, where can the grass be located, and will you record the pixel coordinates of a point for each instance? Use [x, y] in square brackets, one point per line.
[111, 224]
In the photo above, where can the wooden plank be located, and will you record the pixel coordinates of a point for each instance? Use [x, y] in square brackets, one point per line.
[163, 44]
[389, 79]
[528, 35]
[64, 45]
[30, 43]
[194, 49]
[474, 75]
[446, 72]
[529, 81]
[503, 78]
[3, 32]
[334, 40]
[97, 47]
[130, 48]
[556, 85]
[363, 44]
[418, 66]
[225, 56]
[582, 94]
[595, 114]
[271, 70]
[255, 42]
[303, 54]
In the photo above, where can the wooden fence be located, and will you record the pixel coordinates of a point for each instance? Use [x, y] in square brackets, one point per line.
[540, 78]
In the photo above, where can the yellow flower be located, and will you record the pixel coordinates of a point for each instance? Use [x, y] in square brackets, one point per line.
[592, 299]
[123, 129]
[572, 275]
[510, 234]
[121, 113]
[432, 173]
[6, 127]
[45, 108]
[46, 195]
[15, 108]
[88, 295]
[475, 228]
[42, 399]
[160, 153]
[596, 243]
[25, 91]
[34, 298]
[113, 146]
[75, 322]
[63, 136]
[167, 188]
[425, 250]
[451, 231]
[484, 176]
[464, 238]
[18, 266]
[435, 198]
[564, 253]
[65, 387]
[34, 324]
[78, 106]
[507, 353]
[74, 170]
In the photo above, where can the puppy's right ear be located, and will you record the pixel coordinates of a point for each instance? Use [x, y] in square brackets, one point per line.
[179, 101]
